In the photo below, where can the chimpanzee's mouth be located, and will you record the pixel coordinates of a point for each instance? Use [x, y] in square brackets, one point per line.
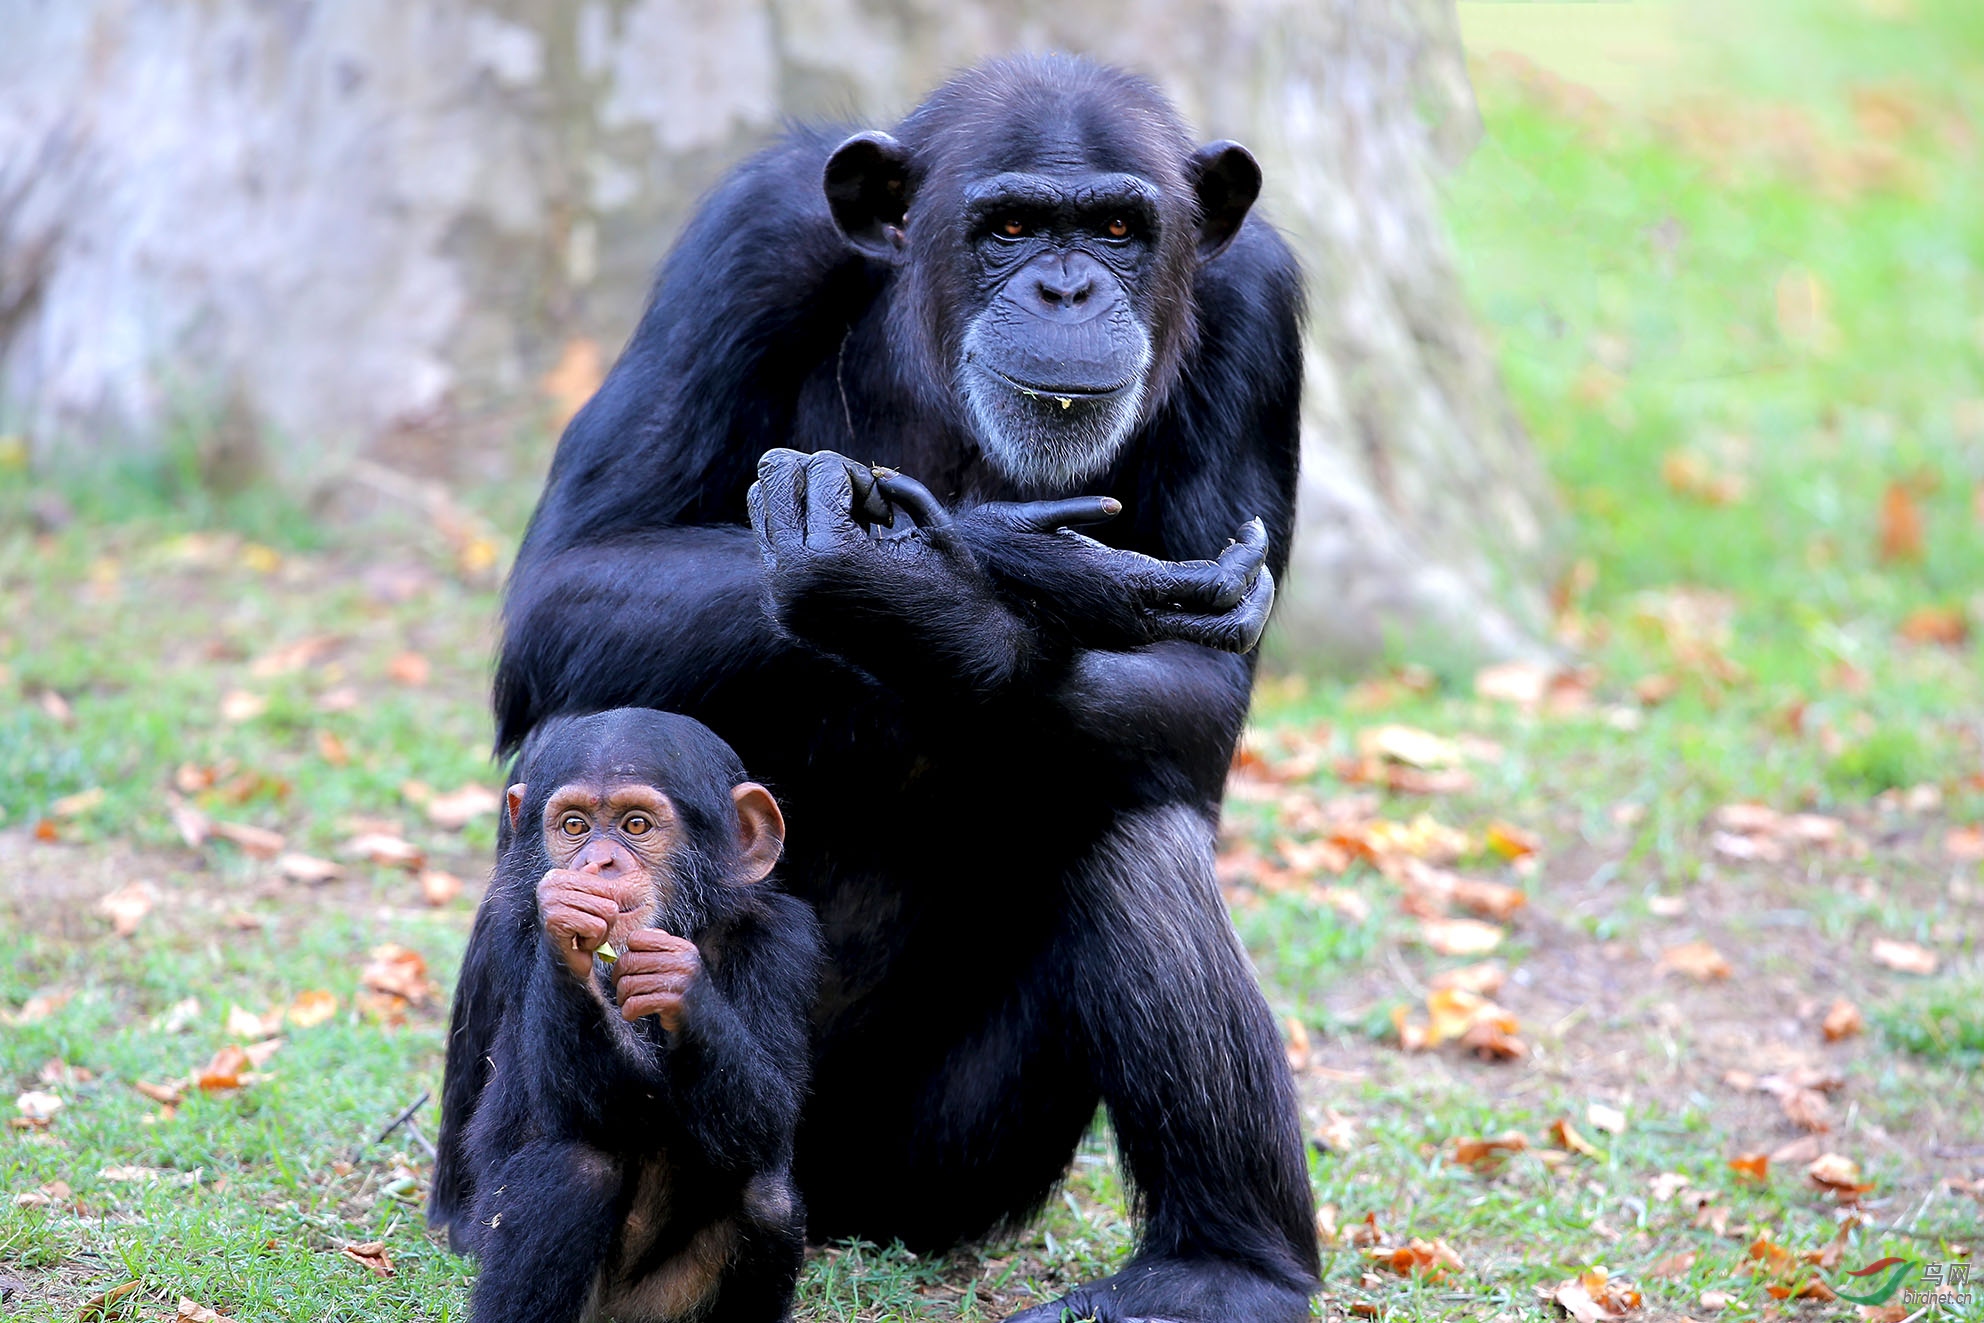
[1065, 395]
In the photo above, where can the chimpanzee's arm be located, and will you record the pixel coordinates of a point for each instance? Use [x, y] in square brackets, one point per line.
[581, 1056]
[738, 1065]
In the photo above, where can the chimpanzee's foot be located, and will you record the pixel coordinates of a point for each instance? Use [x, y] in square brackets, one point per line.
[1166, 1290]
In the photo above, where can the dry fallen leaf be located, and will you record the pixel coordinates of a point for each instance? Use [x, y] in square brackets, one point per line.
[1843, 1020]
[1524, 683]
[1460, 937]
[257, 841]
[74, 806]
[165, 1094]
[1409, 745]
[1510, 841]
[386, 850]
[1904, 957]
[37, 1107]
[308, 868]
[46, 1195]
[372, 1254]
[1420, 1258]
[1298, 1044]
[1593, 1296]
[1565, 1136]
[259, 1053]
[573, 378]
[1609, 1119]
[1698, 960]
[1965, 844]
[1947, 626]
[129, 1174]
[127, 906]
[1338, 1133]
[410, 669]
[1484, 979]
[224, 1071]
[1487, 900]
[1838, 1175]
[1672, 1265]
[192, 825]
[311, 1008]
[1488, 1155]
[1716, 1301]
[293, 657]
[397, 972]
[240, 705]
[1900, 525]
[458, 808]
[437, 887]
[190, 1312]
[98, 1306]
[246, 1024]
[39, 1007]
[1751, 1166]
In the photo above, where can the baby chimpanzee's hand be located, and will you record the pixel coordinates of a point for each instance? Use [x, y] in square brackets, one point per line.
[653, 974]
[580, 909]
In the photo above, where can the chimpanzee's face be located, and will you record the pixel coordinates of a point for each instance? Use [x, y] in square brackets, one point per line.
[1046, 241]
[1055, 358]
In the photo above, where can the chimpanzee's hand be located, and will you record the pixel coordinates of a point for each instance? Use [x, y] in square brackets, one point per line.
[867, 564]
[584, 911]
[1221, 603]
[653, 974]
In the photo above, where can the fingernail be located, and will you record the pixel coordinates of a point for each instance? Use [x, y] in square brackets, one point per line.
[1110, 505]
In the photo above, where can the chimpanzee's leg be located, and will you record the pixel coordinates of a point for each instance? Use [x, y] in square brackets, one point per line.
[950, 1148]
[1188, 1062]
[546, 1220]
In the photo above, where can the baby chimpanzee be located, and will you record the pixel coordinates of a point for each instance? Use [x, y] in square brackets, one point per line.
[616, 1131]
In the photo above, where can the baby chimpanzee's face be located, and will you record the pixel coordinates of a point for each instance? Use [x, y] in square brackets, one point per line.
[611, 829]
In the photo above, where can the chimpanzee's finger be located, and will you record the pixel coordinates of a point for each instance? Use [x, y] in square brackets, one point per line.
[1237, 630]
[581, 925]
[655, 939]
[783, 499]
[829, 499]
[1248, 554]
[913, 496]
[1046, 516]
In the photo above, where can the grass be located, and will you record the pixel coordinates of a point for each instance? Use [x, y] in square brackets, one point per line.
[1735, 321]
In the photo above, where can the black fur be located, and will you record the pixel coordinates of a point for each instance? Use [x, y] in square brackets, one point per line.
[554, 1108]
[1000, 748]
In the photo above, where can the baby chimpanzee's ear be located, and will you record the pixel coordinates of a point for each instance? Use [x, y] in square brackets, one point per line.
[514, 799]
[760, 831]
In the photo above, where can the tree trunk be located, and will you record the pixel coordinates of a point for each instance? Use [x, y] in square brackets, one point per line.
[403, 227]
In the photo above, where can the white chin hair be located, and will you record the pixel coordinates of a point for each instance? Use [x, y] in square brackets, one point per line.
[1046, 442]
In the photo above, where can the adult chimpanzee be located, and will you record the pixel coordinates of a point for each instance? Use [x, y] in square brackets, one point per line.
[1001, 742]
[630, 1038]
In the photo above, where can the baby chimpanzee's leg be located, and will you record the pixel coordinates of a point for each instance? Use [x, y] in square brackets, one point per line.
[545, 1221]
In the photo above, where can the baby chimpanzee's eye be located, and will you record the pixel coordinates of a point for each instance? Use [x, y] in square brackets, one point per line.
[574, 825]
[636, 824]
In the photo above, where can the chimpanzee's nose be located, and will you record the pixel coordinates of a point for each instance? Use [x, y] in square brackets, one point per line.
[599, 857]
[1062, 288]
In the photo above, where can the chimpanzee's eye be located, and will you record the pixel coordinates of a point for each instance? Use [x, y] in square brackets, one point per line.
[1118, 228]
[1013, 227]
[636, 824]
[574, 825]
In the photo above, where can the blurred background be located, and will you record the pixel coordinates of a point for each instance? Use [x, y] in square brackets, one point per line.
[1638, 576]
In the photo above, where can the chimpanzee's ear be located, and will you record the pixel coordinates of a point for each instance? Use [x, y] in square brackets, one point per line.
[760, 831]
[1227, 179]
[867, 183]
[513, 800]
